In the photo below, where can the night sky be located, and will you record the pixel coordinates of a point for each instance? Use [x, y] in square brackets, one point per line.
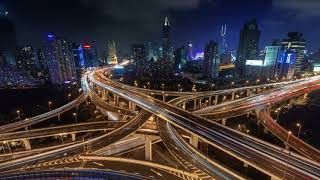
[139, 21]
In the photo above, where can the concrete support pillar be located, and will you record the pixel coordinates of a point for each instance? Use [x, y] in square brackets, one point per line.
[194, 141]
[73, 137]
[287, 146]
[104, 95]
[132, 106]
[164, 98]
[148, 149]
[233, 95]
[265, 131]
[216, 99]
[248, 115]
[224, 121]
[194, 104]
[248, 92]
[210, 101]
[245, 165]
[26, 143]
[59, 117]
[184, 105]
[117, 100]
[200, 103]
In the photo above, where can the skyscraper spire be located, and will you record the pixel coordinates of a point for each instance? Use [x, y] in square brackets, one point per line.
[166, 22]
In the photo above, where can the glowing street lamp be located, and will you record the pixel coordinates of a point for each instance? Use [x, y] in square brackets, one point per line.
[75, 117]
[50, 104]
[289, 133]
[299, 125]
[18, 113]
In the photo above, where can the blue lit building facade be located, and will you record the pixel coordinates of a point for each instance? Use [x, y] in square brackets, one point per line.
[88, 56]
[59, 54]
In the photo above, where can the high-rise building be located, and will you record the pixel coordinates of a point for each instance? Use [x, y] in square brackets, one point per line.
[167, 48]
[139, 58]
[59, 54]
[223, 35]
[180, 58]
[295, 43]
[165, 63]
[287, 64]
[189, 49]
[88, 56]
[7, 40]
[76, 57]
[211, 61]
[248, 46]
[25, 60]
[112, 58]
[272, 57]
[152, 52]
[42, 65]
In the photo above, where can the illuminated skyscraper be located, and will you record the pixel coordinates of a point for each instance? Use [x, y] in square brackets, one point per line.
[223, 39]
[25, 60]
[7, 40]
[88, 56]
[211, 60]
[248, 46]
[295, 43]
[189, 49]
[180, 58]
[271, 59]
[139, 58]
[112, 58]
[60, 58]
[167, 48]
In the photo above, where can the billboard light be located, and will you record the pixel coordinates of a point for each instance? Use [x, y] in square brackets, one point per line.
[254, 62]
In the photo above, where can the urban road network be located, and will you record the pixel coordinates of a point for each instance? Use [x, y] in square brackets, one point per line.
[141, 120]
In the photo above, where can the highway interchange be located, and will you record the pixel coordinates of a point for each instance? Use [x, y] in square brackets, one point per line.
[269, 159]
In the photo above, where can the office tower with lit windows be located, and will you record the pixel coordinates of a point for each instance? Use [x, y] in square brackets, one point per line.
[112, 57]
[189, 51]
[7, 40]
[165, 63]
[76, 57]
[59, 54]
[272, 57]
[211, 61]
[42, 65]
[295, 43]
[152, 51]
[88, 56]
[139, 58]
[180, 58]
[248, 46]
[223, 35]
[25, 60]
[167, 48]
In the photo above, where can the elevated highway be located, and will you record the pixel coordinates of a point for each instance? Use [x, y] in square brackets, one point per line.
[42, 117]
[261, 155]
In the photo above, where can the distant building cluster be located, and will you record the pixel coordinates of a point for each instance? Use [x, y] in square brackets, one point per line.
[61, 61]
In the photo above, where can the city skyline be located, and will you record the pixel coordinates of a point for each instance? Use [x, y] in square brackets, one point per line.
[195, 21]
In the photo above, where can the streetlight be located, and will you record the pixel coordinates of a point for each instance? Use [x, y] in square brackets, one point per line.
[18, 113]
[299, 125]
[289, 133]
[75, 117]
[69, 96]
[212, 85]
[49, 104]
